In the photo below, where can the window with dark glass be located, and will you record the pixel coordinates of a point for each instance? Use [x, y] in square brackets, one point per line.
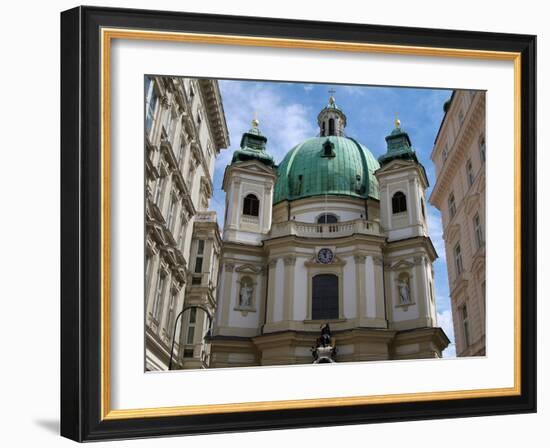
[199, 258]
[327, 218]
[399, 202]
[191, 327]
[465, 324]
[470, 172]
[324, 297]
[478, 230]
[159, 291]
[458, 259]
[331, 126]
[451, 205]
[482, 149]
[251, 205]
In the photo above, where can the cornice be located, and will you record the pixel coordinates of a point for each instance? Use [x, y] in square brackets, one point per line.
[457, 152]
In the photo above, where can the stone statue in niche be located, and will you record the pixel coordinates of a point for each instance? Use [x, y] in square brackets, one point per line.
[245, 299]
[404, 291]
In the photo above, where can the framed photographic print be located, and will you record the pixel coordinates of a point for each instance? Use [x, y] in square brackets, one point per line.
[276, 224]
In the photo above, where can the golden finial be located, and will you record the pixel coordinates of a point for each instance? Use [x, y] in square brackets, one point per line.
[255, 121]
[397, 121]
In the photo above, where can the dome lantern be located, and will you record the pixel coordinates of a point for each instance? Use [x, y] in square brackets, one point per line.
[331, 119]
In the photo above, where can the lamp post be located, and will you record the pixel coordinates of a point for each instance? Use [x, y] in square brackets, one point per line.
[178, 317]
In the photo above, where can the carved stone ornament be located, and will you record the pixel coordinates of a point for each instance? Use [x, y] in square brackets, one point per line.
[229, 267]
[290, 260]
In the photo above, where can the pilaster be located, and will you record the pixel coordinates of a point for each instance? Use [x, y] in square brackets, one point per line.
[272, 277]
[289, 263]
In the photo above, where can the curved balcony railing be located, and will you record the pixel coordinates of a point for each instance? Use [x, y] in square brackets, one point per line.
[335, 230]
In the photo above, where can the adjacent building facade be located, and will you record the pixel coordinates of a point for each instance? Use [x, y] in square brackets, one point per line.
[459, 193]
[185, 130]
[331, 235]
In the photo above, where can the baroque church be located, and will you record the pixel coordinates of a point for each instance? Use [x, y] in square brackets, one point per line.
[329, 236]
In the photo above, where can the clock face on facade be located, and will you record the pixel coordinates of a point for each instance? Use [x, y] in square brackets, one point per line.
[325, 256]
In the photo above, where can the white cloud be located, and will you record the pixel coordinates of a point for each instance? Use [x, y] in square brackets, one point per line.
[445, 321]
[284, 123]
[308, 87]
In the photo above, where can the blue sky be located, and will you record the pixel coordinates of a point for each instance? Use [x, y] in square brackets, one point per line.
[288, 115]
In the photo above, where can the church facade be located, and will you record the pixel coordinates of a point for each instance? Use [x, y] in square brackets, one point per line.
[329, 236]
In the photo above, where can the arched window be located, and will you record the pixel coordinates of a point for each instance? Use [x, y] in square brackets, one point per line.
[331, 126]
[323, 129]
[399, 202]
[327, 218]
[251, 205]
[324, 300]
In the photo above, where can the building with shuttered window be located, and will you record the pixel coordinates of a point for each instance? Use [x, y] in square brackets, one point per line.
[185, 130]
[459, 193]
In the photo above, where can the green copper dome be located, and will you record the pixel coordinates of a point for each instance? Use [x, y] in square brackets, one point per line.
[327, 165]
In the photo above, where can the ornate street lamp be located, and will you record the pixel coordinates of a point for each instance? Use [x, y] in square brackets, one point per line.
[178, 317]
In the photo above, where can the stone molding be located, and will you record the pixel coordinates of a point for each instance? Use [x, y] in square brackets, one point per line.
[229, 267]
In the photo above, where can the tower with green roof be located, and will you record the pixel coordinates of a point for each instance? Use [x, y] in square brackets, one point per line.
[253, 147]
[403, 183]
[248, 183]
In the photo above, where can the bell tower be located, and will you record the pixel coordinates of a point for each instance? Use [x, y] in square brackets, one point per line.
[248, 184]
[403, 182]
[409, 252]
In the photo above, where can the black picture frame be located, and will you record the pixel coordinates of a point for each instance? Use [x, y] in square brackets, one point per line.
[81, 215]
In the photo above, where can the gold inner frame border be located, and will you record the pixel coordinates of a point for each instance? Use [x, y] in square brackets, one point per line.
[107, 35]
